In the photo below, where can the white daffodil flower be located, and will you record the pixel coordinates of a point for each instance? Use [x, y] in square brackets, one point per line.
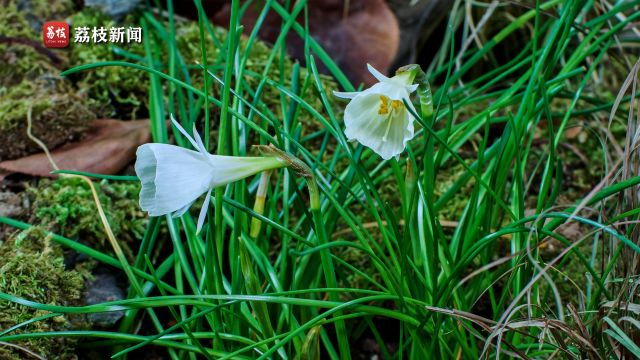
[377, 117]
[173, 178]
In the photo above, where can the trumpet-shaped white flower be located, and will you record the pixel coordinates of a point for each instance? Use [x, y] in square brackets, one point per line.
[173, 178]
[377, 117]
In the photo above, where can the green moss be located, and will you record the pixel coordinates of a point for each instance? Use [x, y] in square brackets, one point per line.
[19, 58]
[66, 206]
[57, 115]
[32, 267]
[19, 62]
[14, 24]
[45, 10]
[29, 83]
[452, 209]
[116, 91]
[20, 26]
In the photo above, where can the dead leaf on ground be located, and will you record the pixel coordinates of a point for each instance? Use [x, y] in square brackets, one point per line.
[107, 147]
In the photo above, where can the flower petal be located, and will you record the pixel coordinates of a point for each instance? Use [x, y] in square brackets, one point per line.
[346, 95]
[412, 88]
[183, 131]
[172, 177]
[377, 74]
[364, 123]
[399, 135]
[203, 212]
[201, 147]
[391, 90]
[180, 212]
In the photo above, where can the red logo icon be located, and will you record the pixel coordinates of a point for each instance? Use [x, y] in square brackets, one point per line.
[55, 34]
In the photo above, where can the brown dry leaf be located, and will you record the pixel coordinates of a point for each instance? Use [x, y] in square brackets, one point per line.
[107, 147]
[354, 33]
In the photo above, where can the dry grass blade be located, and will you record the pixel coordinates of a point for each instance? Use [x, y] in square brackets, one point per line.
[634, 308]
[23, 349]
[476, 319]
[578, 321]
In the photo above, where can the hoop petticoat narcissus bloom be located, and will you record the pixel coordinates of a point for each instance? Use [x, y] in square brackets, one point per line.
[173, 178]
[377, 117]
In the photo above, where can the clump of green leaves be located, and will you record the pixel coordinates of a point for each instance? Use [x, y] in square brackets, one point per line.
[32, 267]
[66, 206]
[281, 71]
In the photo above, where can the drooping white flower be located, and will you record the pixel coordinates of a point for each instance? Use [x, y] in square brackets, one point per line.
[173, 178]
[377, 117]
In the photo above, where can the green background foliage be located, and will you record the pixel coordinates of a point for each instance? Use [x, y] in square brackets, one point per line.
[499, 232]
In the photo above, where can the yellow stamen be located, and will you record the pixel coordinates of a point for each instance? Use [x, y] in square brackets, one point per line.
[384, 105]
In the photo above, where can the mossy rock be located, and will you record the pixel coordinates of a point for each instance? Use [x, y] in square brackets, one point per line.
[57, 116]
[28, 84]
[21, 53]
[32, 268]
[36, 12]
[19, 62]
[66, 206]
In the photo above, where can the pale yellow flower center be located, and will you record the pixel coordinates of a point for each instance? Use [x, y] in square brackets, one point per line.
[383, 109]
[389, 107]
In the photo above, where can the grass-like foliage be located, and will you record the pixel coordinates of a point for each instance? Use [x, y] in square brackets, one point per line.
[499, 232]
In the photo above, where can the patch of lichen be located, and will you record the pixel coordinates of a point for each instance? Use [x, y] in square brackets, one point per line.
[66, 206]
[32, 268]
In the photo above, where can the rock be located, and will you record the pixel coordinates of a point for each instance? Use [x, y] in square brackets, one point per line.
[101, 289]
[114, 8]
[11, 204]
[418, 20]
